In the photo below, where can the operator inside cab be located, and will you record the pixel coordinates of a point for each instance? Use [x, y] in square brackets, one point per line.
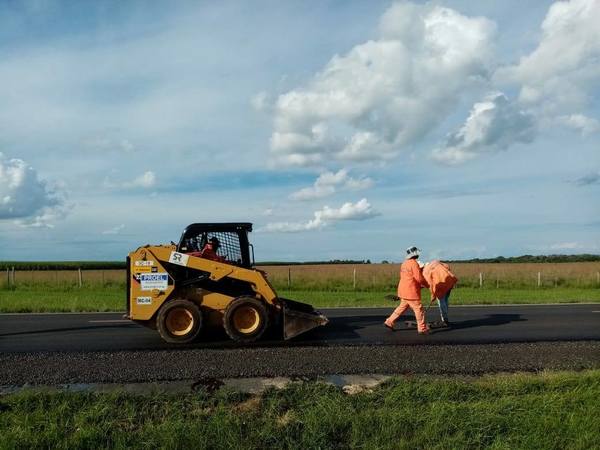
[210, 250]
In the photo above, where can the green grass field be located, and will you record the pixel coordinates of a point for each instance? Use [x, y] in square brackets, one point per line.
[525, 411]
[111, 297]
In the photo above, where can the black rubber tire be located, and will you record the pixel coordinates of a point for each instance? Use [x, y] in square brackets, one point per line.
[229, 323]
[161, 321]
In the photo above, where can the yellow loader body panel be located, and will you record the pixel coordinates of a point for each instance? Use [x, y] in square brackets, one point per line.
[152, 284]
[180, 293]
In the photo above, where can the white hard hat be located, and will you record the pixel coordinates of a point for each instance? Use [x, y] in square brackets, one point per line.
[411, 252]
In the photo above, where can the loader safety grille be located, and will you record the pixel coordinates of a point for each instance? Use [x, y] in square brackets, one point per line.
[229, 244]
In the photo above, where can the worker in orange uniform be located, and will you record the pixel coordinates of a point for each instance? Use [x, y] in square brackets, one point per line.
[409, 291]
[441, 281]
[210, 250]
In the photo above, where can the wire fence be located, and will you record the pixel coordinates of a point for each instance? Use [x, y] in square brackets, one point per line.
[79, 277]
[350, 276]
[500, 276]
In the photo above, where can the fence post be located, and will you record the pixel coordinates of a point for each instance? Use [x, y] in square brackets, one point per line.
[497, 282]
[354, 278]
[289, 277]
[80, 277]
[539, 279]
[7, 277]
[480, 279]
[13, 276]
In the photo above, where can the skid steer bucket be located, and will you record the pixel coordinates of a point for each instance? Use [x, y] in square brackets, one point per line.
[299, 318]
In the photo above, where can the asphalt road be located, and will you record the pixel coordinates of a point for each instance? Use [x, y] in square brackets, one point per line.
[348, 326]
[51, 349]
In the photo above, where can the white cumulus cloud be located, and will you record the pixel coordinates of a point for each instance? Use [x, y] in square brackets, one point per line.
[27, 198]
[581, 123]
[107, 144]
[329, 182]
[493, 125]
[146, 180]
[261, 101]
[565, 66]
[360, 210]
[386, 93]
[115, 230]
[566, 246]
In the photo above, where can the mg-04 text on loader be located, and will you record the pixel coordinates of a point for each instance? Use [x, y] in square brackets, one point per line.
[207, 281]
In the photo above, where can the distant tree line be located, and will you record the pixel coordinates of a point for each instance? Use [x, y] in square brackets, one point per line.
[534, 259]
[498, 259]
[312, 263]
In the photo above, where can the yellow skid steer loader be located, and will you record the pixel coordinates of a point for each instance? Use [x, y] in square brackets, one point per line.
[206, 281]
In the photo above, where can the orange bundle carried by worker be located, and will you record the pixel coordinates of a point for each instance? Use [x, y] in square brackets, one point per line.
[441, 280]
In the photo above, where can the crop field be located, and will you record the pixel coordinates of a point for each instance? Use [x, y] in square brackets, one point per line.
[377, 276]
[361, 277]
[326, 285]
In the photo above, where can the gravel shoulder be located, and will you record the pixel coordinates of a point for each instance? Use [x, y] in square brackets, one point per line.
[18, 369]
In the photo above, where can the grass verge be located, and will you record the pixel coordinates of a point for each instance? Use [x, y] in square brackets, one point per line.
[62, 298]
[537, 411]
[460, 296]
[39, 298]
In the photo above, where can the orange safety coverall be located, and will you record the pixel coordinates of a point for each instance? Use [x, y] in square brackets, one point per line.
[209, 253]
[409, 291]
[440, 278]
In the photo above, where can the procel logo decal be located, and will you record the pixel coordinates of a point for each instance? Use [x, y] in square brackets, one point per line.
[150, 281]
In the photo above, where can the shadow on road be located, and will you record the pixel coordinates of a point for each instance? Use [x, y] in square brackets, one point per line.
[489, 320]
[344, 328]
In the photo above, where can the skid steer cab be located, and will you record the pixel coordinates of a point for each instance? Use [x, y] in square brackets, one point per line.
[207, 281]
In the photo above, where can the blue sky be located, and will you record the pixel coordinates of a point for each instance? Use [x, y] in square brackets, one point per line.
[340, 129]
